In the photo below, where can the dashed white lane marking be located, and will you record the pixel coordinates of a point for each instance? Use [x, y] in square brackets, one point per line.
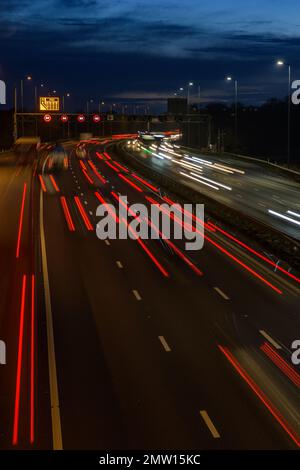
[107, 242]
[271, 340]
[137, 295]
[81, 194]
[85, 203]
[164, 343]
[90, 212]
[261, 204]
[119, 264]
[209, 424]
[221, 293]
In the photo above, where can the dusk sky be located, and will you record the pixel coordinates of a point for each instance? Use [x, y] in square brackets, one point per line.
[142, 49]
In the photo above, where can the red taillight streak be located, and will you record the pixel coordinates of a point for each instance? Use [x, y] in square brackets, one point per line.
[42, 183]
[145, 182]
[251, 250]
[99, 156]
[177, 250]
[32, 358]
[281, 363]
[214, 227]
[19, 364]
[96, 172]
[54, 183]
[21, 221]
[106, 155]
[84, 216]
[67, 214]
[82, 165]
[120, 166]
[171, 244]
[223, 250]
[259, 393]
[107, 207]
[87, 176]
[112, 167]
[130, 183]
[149, 253]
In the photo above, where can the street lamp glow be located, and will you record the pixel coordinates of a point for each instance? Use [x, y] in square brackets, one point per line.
[229, 79]
[280, 62]
[29, 77]
[191, 83]
[68, 95]
[181, 89]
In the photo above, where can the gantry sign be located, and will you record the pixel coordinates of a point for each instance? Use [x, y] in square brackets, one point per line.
[49, 103]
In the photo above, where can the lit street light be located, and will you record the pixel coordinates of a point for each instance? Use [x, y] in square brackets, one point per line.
[230, 79]
[281, 63]
[190, 84]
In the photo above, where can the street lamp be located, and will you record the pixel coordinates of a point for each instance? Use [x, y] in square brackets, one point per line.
[101, 103]
[28, 78]
[281, 63]
[65, 95]
[190, 84]
[230, 79]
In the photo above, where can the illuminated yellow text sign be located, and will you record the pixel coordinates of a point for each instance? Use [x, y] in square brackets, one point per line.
[49, 103]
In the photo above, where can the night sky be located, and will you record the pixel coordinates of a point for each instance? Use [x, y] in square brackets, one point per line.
[147, 49]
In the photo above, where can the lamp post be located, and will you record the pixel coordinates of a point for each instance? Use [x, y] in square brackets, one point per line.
[230, 79]
[190, 84]
[65, 95]
[29, 78]
[281, 63]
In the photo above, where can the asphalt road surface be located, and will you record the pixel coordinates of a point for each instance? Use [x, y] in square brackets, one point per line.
[116, 344]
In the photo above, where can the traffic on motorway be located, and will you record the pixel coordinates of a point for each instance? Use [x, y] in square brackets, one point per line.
[131, 342]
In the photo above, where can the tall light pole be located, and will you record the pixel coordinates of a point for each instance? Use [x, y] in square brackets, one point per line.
[29, 78]
[65, 95]
[190, 84]
[101, 103]
[230, 79]
[281, 63]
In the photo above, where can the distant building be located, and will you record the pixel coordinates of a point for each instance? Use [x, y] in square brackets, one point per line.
[177, 106]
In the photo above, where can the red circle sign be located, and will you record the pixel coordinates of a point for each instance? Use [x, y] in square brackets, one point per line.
[64, 118]
[96, 118]
[81, 118]
[47, 117]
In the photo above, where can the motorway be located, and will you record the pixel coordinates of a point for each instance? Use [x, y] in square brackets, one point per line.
[117, 344]
[241, 184]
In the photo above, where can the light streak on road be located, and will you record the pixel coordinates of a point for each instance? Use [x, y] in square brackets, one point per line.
[284, 217]
[199, 181]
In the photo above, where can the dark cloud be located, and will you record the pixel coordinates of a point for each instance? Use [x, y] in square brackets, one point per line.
[72, 47]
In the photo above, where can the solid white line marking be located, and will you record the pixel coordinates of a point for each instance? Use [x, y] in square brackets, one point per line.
[271, 340]
[221, 293]
[119, 264]
[54, 397]
[137, 295]
[164, 343]
[107, 242]
[209, 424]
